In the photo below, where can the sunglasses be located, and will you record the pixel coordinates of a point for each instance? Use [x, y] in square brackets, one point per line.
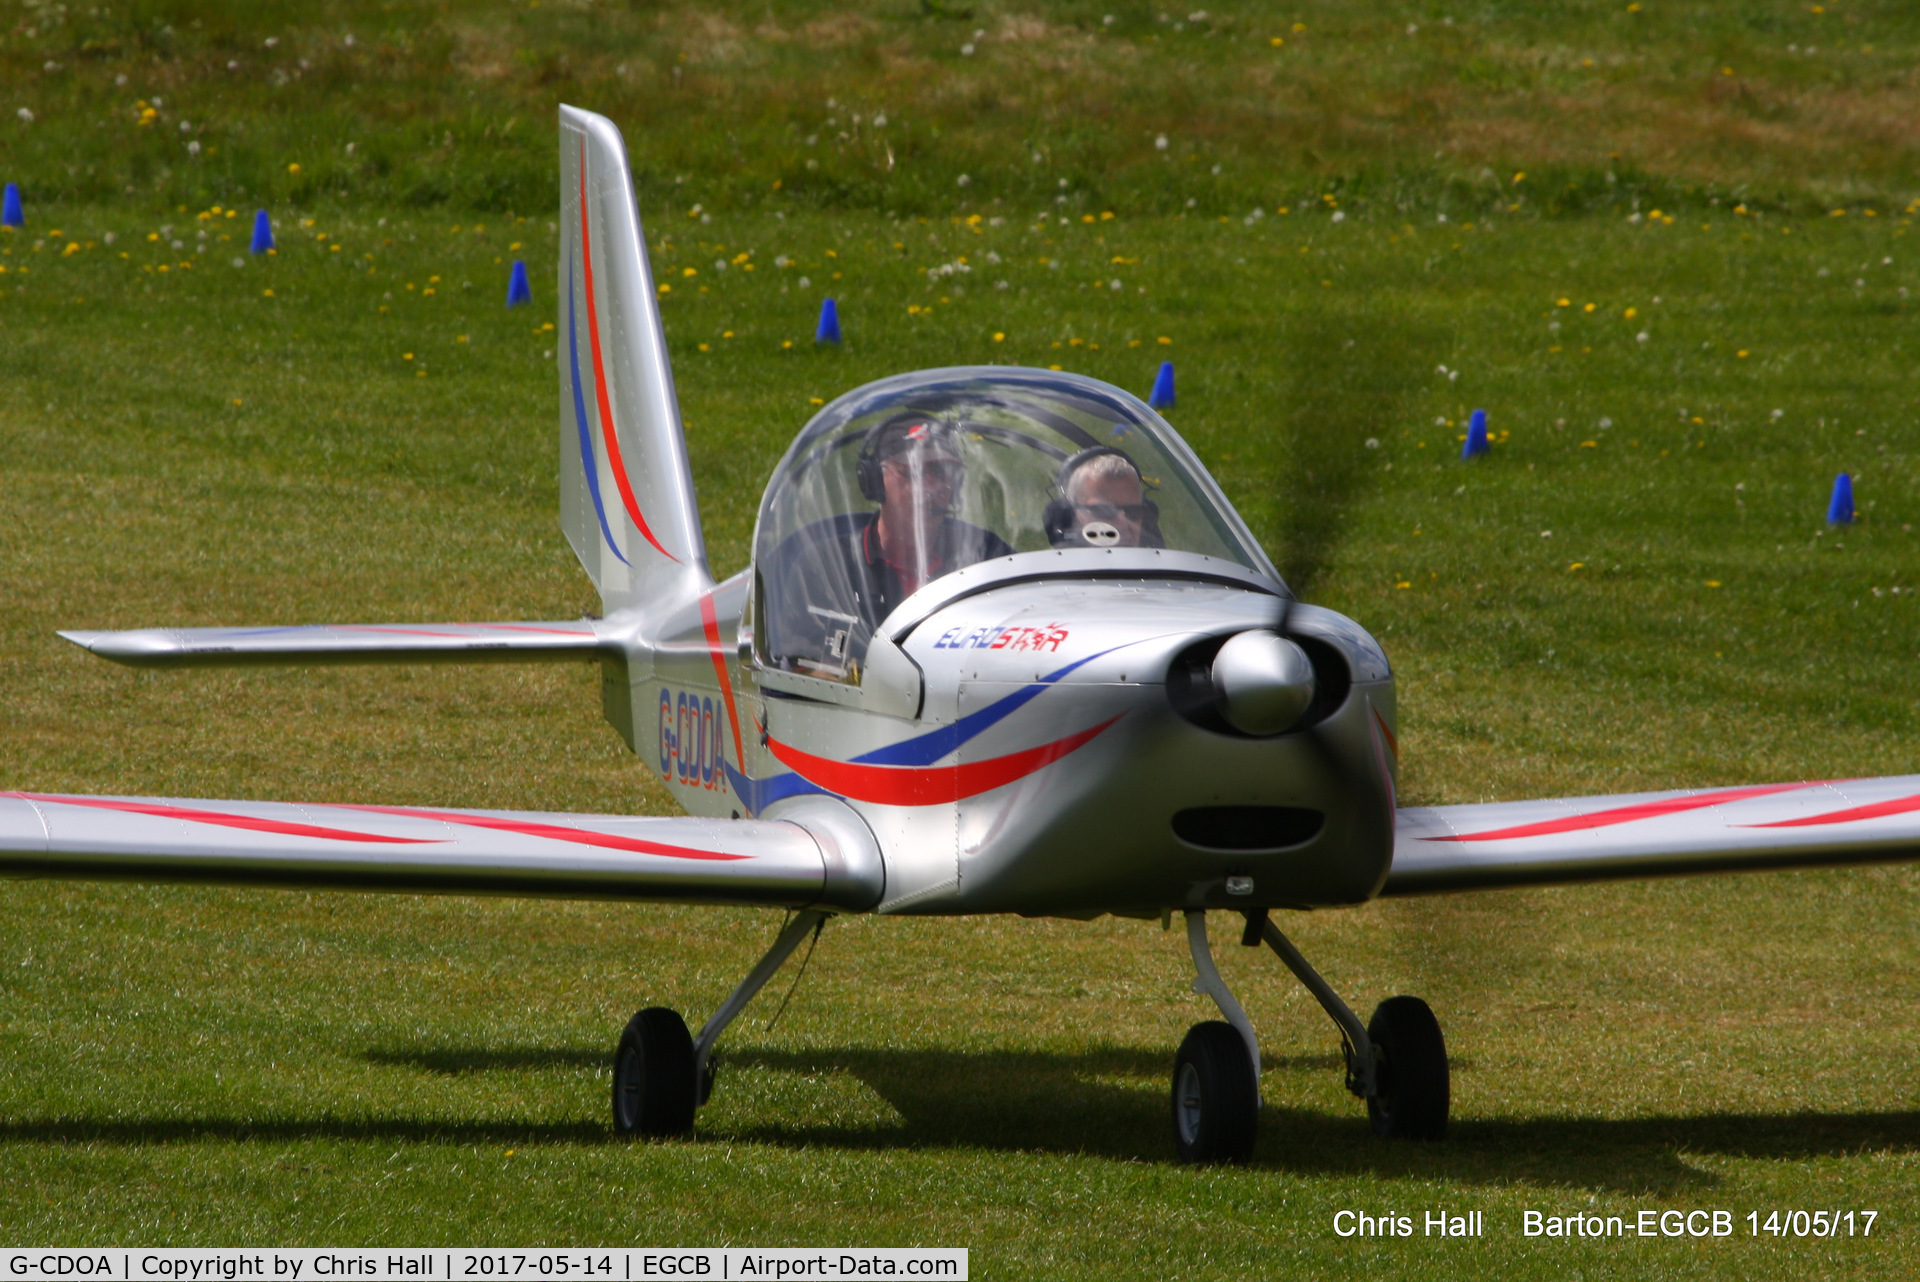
[1134, 512]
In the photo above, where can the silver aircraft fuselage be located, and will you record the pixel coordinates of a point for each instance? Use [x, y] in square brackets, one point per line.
[1018, 741]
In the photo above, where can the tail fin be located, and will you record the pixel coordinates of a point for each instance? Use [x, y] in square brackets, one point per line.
[626, 494]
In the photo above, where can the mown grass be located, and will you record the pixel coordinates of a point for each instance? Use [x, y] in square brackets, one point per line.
[208, 1066]
[890, 105]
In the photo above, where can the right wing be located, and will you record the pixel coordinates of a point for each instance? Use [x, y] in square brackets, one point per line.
[819, 860]
[349, 643]
[1655, 834]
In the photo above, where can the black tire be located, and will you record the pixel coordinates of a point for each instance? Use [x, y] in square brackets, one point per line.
[1410, 1069]
[1216, 1101]
[654, 1087]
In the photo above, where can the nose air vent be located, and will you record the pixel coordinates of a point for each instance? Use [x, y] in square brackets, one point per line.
[1243, 828]
[1190, 684]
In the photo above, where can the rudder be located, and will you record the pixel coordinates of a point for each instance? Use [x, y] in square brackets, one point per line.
[626, 492]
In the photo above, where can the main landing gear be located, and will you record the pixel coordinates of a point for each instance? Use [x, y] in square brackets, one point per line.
[1397, 1062]
[662, 1074]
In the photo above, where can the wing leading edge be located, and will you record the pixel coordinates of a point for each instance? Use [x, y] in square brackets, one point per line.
[534, 642]
[430, 850]
[1655, 834]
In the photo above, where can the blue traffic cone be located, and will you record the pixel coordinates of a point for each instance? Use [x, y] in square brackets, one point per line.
[262, 232]
[828, 330]
[518, 291]
[1476, 442]
[1840, 506]
[1161, 398]
[12, 215]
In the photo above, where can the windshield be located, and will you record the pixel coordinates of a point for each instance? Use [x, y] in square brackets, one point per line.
[904, 480]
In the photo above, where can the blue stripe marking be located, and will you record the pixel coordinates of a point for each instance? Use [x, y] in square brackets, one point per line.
[757, 794]
[587, 460]
[924, 750]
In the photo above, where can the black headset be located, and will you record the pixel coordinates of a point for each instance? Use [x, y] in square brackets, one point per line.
[1058, 517]
[866, 469]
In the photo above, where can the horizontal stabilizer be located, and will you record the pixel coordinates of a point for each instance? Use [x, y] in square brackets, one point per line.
[430, 850]
[1655, 834]
[347, 643]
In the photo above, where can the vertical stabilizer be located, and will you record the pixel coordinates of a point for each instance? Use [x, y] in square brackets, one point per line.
[626, 494]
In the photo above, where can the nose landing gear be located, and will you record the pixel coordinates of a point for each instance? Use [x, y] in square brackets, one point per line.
[1396, 1062]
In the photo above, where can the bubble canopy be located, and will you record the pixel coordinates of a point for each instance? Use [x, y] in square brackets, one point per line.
[905, 480]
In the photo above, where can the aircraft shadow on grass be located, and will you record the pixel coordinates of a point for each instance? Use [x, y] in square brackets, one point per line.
[1108, 1103]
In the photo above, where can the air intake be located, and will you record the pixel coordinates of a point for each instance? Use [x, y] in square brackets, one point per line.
[1242, 828]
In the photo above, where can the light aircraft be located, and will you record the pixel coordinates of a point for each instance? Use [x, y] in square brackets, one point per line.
[1004, 647]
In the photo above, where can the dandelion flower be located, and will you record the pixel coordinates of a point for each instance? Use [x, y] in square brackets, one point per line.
[1164, 341]
[999, 337]
[293, 169]
[1742, 355]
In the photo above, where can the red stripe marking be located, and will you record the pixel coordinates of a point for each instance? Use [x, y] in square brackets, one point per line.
[1625, 814]
[711, 622]
[607, 432]
[1878, 810]
[926, 785]
[226, 820]
[1393, 741]
[405, 632]
[528, 627]
[555, 832]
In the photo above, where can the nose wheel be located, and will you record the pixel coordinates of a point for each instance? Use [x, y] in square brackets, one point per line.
[1216, 1101]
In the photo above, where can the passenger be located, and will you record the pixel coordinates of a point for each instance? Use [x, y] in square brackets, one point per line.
[833, 582]
[1103, 503]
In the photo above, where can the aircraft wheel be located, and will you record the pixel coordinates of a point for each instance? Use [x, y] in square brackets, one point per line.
[654, 1085]
[1216, 1102]
[1410, 1068]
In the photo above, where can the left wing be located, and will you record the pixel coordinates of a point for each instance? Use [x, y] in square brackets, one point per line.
[1655, 834]
[534, 642]
[427, 850]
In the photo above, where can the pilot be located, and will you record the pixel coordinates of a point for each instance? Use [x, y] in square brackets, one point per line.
[834, 581]
[1103, 503]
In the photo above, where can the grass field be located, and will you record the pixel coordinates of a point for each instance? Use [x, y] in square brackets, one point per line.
[1636, 590]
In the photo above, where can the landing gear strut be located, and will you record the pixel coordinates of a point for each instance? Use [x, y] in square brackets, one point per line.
[1396, 1062]
[661, 1074]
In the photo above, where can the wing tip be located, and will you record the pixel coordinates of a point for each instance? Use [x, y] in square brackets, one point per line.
[145, 647]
